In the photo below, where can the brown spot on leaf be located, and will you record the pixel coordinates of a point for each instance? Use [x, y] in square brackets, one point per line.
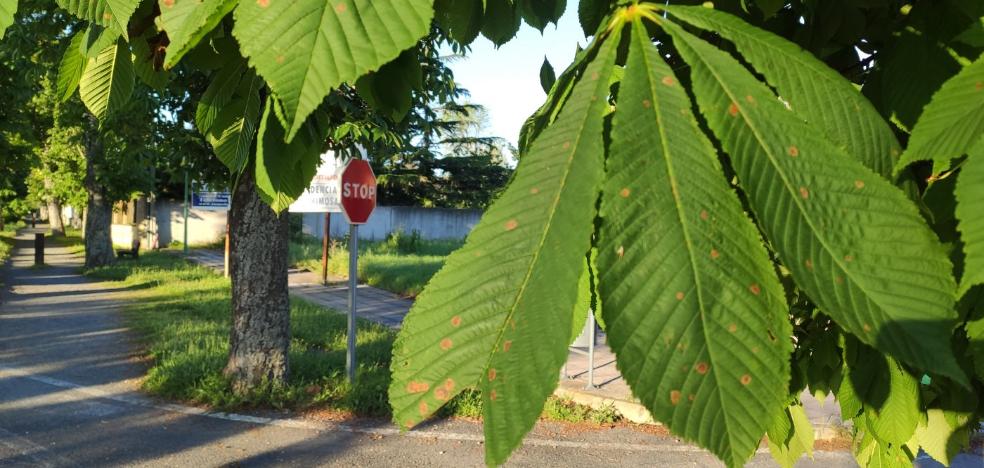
[168, 3]
[647, 103]
[715, 254]
[866, 327]
[701, 368]
[733, 327]
[594, 76]
[441, 394]
[804, 192]
[691, 397]
[566, 145]
[341, 8]
[409, 423]
[733, 109]
[417, 387]
[449, 385]
[625, 193]
[446, 344]
[493, 395]
[755, 289]
[423, 408]
[263, 3]
[668, 80]
[750, 99]
[506, 345]
[620, 251]
[534, 191]
[107, 16]
[492, 374]
[849, 258]
[809, 264]
[746, 379]
[839, 280]
[456, 321]
[675, 397]
[793, 151]
[704, 215]
[679, 295]
[755, 349]
[859, 184]
[511, 224]
[280, 59]
[979, 86]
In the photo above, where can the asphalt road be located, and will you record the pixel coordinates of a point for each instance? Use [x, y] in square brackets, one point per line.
[69, 396]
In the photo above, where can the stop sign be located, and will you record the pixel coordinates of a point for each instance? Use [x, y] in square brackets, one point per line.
[358, 190]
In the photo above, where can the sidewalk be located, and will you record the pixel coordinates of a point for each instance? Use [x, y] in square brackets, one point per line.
[610, 389]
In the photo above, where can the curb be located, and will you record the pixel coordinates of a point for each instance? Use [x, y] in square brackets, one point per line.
[634, 412]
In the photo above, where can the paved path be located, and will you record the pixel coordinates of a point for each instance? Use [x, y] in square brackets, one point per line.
[69, 396]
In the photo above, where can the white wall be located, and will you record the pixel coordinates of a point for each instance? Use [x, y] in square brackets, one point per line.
[432, 223]
[204, 227]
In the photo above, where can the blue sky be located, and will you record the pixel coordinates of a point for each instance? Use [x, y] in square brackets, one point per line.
[507, 80]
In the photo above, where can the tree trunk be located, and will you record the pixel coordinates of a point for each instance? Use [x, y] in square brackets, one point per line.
[54, 211]
[260, 337]
[99, 213]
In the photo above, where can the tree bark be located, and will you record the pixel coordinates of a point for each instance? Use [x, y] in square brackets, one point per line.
[260, 337]
[99, 213]
[54, 211]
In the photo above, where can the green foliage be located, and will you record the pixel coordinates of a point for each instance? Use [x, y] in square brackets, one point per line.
[186, 22]
[952, 122]
[71, 67]
[7, 10]
[112, 14]
[719, 347]
[107, 80]
[534, 239]
[791, 436]
[838, 237]
[304, 49]
[970, 204]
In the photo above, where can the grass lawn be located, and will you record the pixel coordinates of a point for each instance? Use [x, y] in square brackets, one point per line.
[182, 314]
[402, 264]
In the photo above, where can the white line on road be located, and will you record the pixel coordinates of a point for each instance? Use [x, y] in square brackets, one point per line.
[320, 426]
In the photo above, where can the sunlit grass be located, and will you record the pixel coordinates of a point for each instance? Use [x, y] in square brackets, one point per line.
[402, 264]
[181, 312]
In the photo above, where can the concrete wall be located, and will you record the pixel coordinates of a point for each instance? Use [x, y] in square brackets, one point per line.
[432, 223]
[204, 227]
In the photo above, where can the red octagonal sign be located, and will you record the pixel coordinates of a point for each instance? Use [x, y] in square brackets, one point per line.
[358, 190]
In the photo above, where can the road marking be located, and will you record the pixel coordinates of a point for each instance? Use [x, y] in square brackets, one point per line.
[320, 426]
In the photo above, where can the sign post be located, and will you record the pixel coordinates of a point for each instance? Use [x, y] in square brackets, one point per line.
[322, 197]
[357, 186]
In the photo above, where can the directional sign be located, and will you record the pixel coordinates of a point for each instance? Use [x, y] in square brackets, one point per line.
[322, 196]
[357, 185]
[210, 201]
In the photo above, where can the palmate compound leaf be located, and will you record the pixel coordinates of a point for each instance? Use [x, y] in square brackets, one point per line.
[952, 121]
[306, 48]
[815, 92]
[498, 315]
[107, 80]
[970, 215]
[113, 14]
[187, 22]
[853, 242]
[692, 305]
[7, 10]
[70, 68]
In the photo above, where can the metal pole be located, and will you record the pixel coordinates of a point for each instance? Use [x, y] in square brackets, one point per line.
[38, 248]
[353, 285]
[225, 266]
[186, 203]
[591, 348]
[324, 249]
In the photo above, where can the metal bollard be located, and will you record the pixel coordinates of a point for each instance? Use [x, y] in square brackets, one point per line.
[39, 249]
